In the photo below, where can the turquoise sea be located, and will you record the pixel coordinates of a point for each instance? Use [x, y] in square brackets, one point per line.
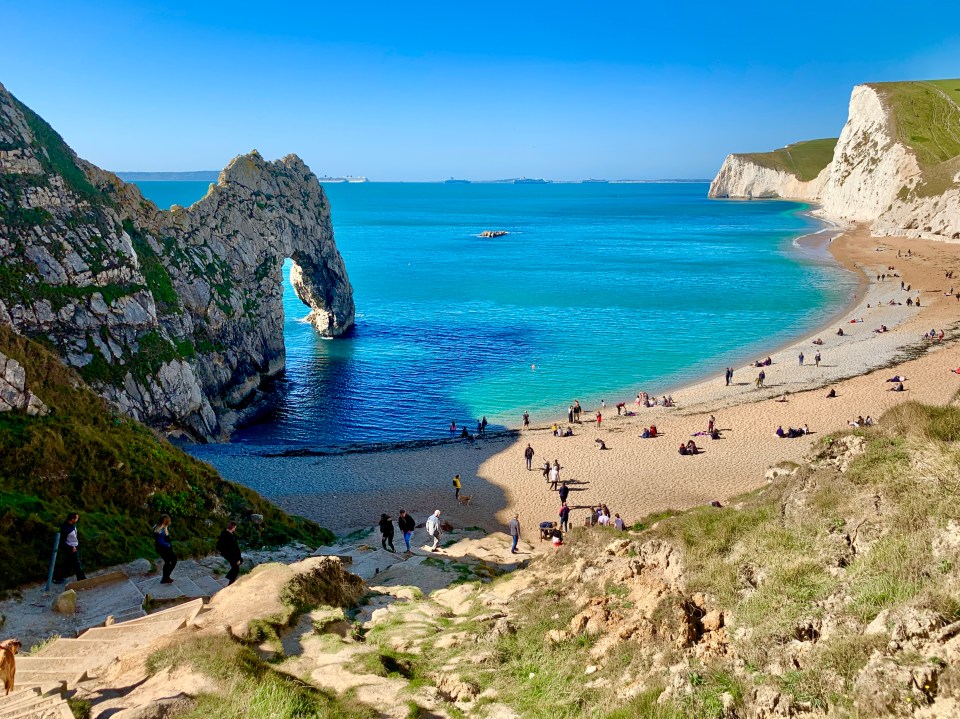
[599, 291]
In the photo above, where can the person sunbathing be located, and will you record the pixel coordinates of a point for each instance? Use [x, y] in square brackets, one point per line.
[897, 387]
[780, 433]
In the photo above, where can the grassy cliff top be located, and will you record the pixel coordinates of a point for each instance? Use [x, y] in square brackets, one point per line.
[926, 118]
[119, 474]
[804, 160]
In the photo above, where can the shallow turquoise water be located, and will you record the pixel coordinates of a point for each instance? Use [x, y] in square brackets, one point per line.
[605, 289]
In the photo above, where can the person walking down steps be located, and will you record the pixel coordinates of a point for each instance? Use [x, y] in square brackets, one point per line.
[229, 549]
[407, 524]
[386, 532]
[434, 531]
[69, 551]
[164, 543]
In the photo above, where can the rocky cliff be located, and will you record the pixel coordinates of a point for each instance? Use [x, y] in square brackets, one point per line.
[896, 164]
[175, 317]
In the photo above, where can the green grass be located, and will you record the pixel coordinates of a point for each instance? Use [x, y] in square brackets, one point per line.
[158, 279]
[250, 688]
[117, 473]
[926, 118]
[804, 160]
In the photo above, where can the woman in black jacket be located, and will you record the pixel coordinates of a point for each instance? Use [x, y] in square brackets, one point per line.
[386, 530]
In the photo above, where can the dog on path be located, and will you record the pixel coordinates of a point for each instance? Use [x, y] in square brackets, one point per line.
[8, 664]
[464, 499]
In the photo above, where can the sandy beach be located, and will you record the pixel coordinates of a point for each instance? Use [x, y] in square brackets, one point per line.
[637, 476]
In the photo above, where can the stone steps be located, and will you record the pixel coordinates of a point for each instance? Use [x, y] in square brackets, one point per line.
[134, 633]
[39, 708]
[187, 611]
[70, 648]
[32, 679]
[65, 665]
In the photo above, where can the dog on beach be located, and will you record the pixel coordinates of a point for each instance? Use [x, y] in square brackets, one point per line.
[8, 664]
[464, 499]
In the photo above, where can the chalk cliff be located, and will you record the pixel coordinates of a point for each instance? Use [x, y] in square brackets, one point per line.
[174, 317]
[896, 165]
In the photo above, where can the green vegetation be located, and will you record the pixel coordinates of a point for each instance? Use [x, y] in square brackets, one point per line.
[57, 158]
[250, 687]
[803, 160]
[117, 473]
[926, 118]
[158, 279]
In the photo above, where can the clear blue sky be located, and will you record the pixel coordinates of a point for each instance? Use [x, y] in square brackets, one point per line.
[423, 91]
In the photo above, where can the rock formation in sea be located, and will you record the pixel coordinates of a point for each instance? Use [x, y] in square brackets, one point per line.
[896, 165]
[175, 317]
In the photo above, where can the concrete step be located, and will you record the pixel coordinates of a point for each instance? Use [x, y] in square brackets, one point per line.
[186, 611]
[68, 681]
[77, 648]
[99, 580]
[67, 666]
[42, 708]
[134, 633]
[209, 585]
[19, 697]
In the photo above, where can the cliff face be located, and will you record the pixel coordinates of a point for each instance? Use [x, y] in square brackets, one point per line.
[175, 317]
[741, 177]
[889, 169]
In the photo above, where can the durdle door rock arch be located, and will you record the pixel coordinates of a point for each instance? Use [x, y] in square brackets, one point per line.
[175, 317]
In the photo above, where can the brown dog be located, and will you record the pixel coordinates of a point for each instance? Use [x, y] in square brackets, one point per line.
[464, 499]
[8, 665]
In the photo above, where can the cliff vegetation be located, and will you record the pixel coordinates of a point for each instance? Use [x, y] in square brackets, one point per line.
[120, 475]
[804, 160]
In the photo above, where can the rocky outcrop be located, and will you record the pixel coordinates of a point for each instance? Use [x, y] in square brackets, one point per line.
[882, 172]
[175, 317]
[14, 394]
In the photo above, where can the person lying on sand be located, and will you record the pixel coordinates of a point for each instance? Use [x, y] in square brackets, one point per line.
[897, 387]
[818, 341]
[897, 378]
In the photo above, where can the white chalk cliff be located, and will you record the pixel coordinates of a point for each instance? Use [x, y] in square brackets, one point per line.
[874, 177]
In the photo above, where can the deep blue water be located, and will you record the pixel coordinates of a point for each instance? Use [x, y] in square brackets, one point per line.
[598, 291]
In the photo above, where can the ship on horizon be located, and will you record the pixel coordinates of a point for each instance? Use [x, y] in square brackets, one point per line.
[593, 181]
[455, 181]
[345, 178]
[530, 181]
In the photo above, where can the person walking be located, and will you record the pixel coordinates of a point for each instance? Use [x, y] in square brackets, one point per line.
[760, 378]
[564, 517]
[711, 423]
[229, 549]
[434, 530]
[554, 475]
[386, 532]
[729, 375]
[407, 525]
[69, 564]
[457, 486]
[528, 455]
[599, 419]
[483, 425]
[514, 533]
[164, 544]
[564, 492]
[801, 359]
[816, 358]
[526, 420]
